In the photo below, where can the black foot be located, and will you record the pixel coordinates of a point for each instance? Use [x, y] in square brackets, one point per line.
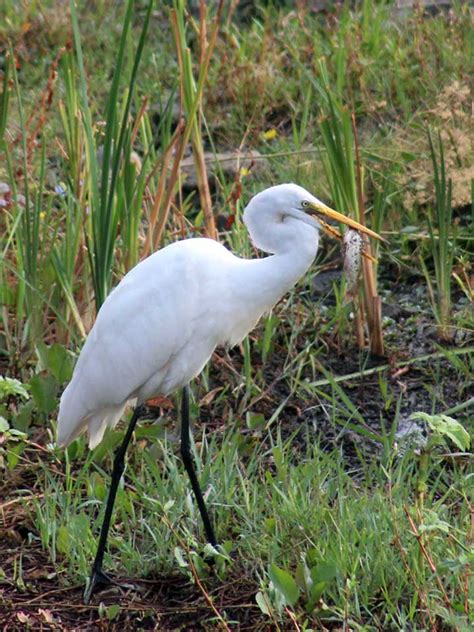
[97, 579]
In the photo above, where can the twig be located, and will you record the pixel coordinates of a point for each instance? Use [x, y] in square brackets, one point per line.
[292, 619]
[191, 114]
[383, 367]
[427, 556]
[403, 554]
[14, 501]
[203, 590]
[157, 223]
[372, 299]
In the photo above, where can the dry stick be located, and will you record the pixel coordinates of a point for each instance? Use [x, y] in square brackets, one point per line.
[137, 606]
[398, 543]
[203, 185]
[205, 594]
[46, 101]
[41, 109]
[195, 119]
[428, 557]
[154, 223]
[292, 619]
[383, 367]
[468, 574]
[203, 43]
[188, 129]
[373, 301]
[18, 499]
[359, 323]
[198, 150]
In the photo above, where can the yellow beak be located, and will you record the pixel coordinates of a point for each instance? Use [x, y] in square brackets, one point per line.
[321, 209]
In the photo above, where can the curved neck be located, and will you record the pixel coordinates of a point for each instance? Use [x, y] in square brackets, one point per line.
[262, 282]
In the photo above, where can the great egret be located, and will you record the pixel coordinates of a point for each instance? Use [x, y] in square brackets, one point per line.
[160, 325]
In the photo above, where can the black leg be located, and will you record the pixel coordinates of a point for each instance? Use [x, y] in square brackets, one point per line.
[188, 464]
[98, 577]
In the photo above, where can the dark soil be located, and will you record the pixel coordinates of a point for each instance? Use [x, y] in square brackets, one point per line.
[38, 602]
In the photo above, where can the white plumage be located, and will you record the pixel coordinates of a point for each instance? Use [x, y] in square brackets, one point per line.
[160, 325]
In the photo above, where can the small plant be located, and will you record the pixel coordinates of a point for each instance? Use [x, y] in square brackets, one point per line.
[12, 440]
[441, 427]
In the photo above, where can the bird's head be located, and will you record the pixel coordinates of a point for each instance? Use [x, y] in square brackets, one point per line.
[295, 206]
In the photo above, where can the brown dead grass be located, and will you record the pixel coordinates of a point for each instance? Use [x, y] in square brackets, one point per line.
[452, 117]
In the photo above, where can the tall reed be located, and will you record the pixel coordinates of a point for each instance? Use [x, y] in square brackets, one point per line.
[191, 91]
[107, 166]
[343, 165]
[442, 241]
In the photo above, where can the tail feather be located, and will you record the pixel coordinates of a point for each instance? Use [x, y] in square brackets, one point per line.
[95, 423]
[73, 419]
[107, 417]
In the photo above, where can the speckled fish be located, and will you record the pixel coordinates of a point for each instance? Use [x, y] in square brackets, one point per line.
[352, 250]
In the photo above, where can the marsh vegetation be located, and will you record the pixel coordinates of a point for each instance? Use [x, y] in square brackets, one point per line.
[126, 126]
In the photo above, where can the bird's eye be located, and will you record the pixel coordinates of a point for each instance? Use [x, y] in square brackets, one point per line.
[305, 203]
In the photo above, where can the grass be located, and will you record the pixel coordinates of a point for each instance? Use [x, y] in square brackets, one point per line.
[332, 517]
[274, 505]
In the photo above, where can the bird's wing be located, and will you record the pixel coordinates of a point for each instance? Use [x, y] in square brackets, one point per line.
[156, 328]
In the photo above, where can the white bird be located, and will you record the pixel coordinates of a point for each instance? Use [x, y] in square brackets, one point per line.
[159, 327]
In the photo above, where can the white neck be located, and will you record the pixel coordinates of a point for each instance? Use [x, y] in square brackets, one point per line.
[276, 225]
[270, 278]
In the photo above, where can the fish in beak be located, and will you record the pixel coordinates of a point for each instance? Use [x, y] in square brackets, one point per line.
[320, 211]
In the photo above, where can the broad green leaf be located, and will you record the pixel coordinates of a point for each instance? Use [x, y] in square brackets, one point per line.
[80, 524]
[210, 550]
[438, 526]
[432, 522]
[303, 577]
[3, 424]
[13, 432]
[14, 453]
[201, 567]
[324, 572]
[315, 595]
[57, 360]
[151, 431]
[457, 564]
[321, 575]
[447, 427]
[285, 584]
[44, 389]
[98, 486]
[22, 421]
